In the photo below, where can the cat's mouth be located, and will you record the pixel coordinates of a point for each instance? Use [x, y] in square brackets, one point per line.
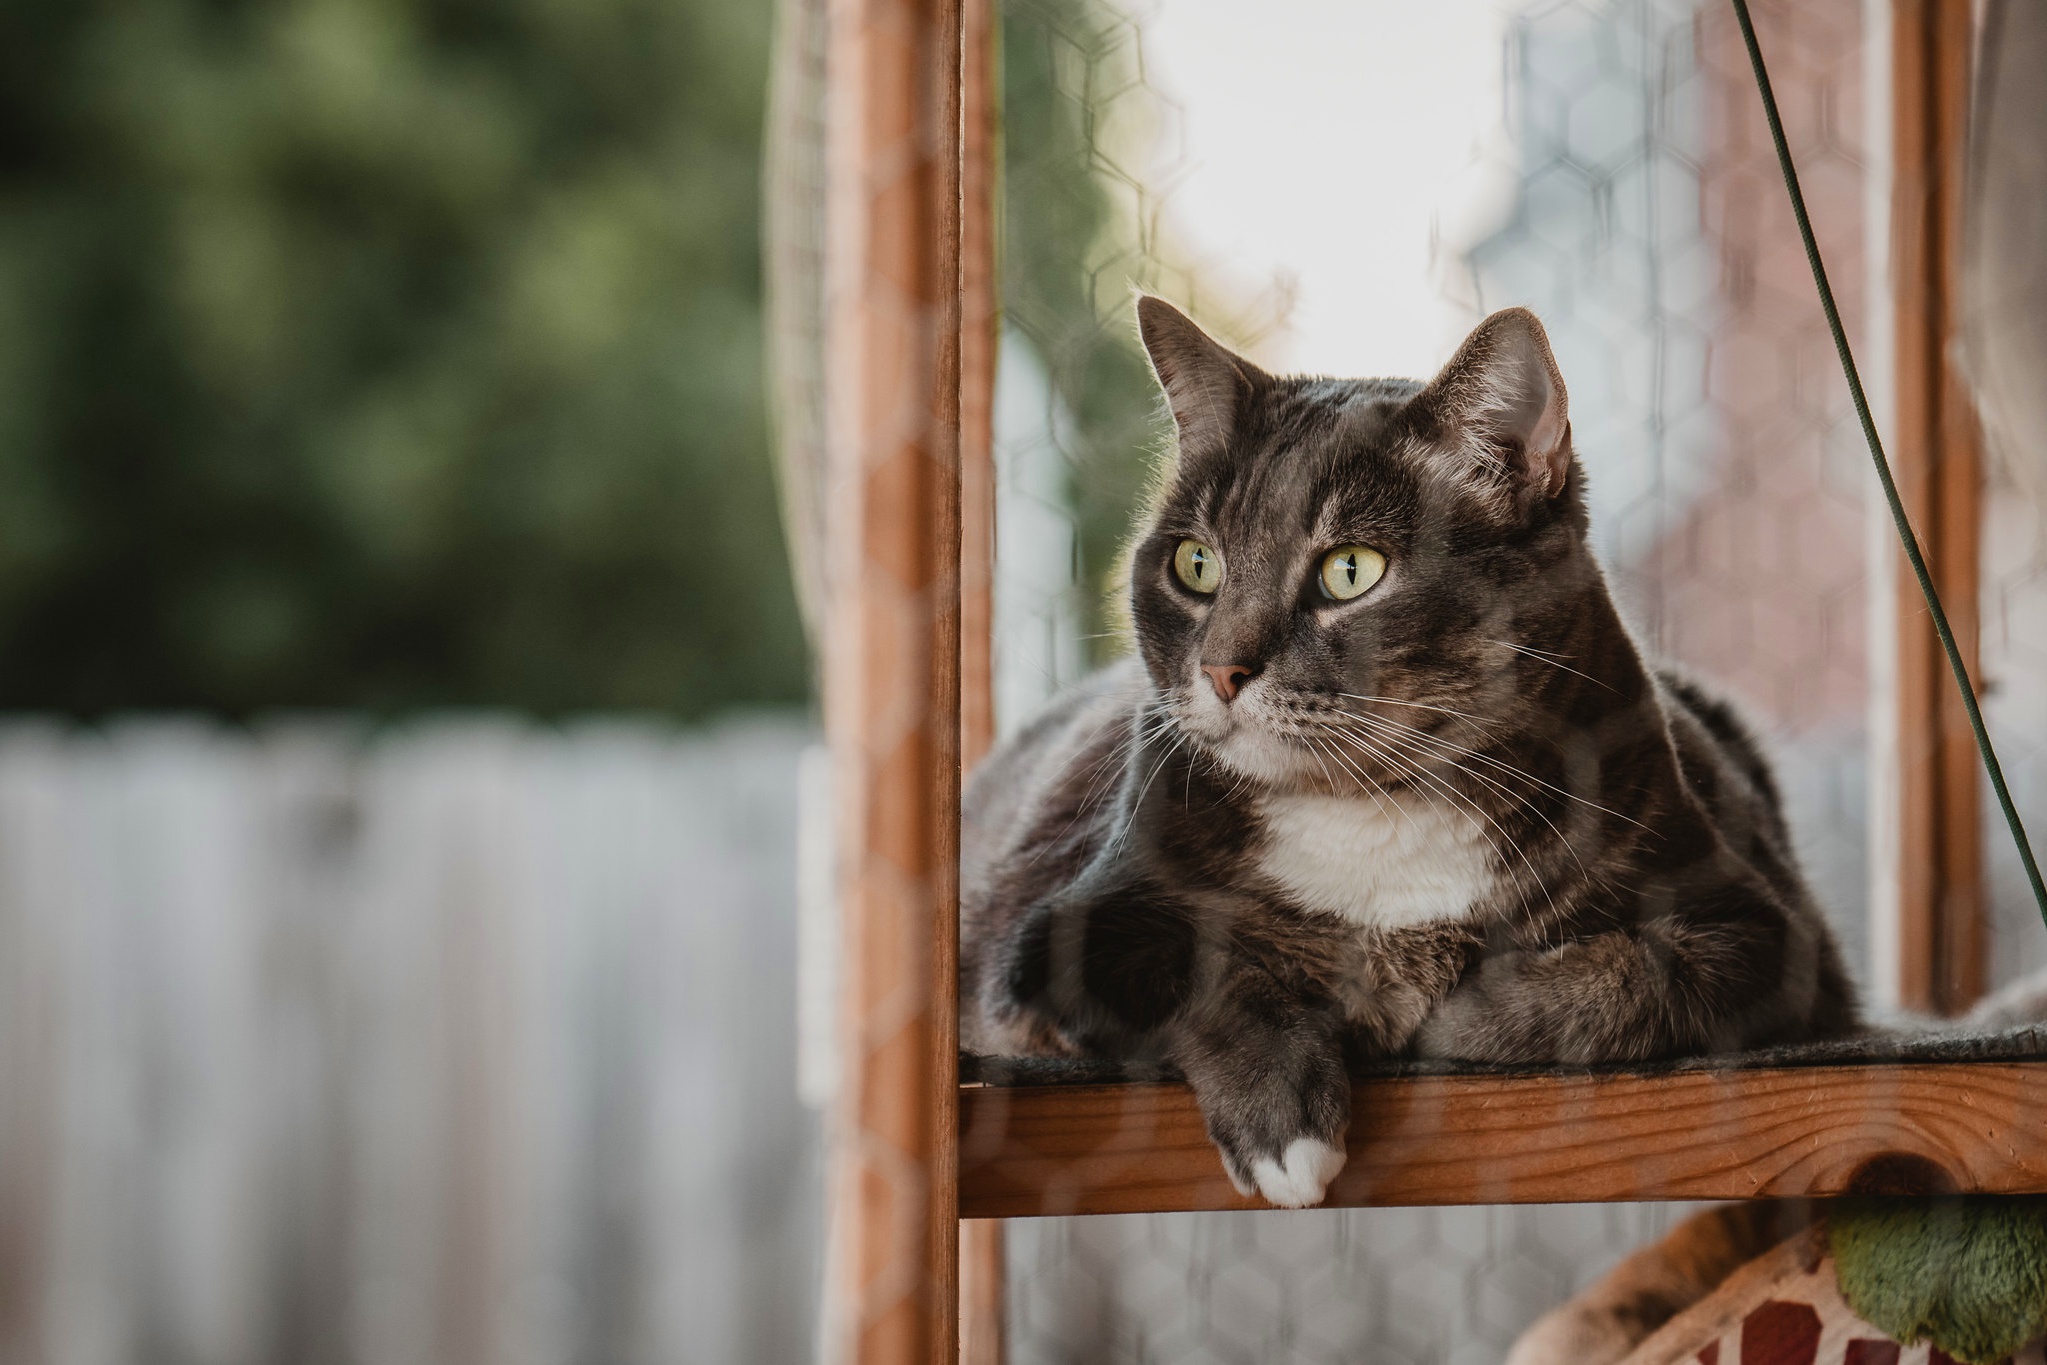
[1301, 743]
[1255, 736]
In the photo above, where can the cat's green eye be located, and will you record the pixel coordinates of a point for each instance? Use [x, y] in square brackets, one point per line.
[1198, 566]
[1350, 569]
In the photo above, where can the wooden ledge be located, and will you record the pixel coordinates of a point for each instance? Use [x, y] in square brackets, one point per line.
[1976, 1127]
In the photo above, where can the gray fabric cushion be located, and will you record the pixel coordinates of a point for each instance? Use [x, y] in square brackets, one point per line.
[1910, 1043]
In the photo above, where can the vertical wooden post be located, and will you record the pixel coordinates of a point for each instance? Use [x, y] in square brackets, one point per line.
[981, 1258]
[892, 671]
[980, 330]
[983, 1317]
[1939, 471]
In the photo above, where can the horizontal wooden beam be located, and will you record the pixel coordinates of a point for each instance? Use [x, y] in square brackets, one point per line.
[1922, 1127]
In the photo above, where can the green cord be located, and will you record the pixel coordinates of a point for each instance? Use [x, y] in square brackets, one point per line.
[1883, 466]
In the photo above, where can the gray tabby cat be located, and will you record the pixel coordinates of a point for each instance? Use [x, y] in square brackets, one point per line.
[1387, 776]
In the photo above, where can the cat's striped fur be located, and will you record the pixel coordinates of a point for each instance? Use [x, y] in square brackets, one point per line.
[1459, 814]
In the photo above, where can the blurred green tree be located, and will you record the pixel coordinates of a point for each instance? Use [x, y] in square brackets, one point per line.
[1070, 259]
[385, 354]
[1081, 228]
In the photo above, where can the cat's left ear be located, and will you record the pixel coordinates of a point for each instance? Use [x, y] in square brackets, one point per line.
[1206, 384]
[1501, 401]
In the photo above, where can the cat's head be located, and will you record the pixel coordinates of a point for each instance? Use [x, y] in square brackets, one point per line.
[1332, 559]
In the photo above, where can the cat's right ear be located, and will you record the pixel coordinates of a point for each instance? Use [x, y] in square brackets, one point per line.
[1501, 403]
[1206, 384]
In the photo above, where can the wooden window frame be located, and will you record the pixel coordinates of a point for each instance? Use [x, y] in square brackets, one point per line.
[1936, 447]
[911, 337]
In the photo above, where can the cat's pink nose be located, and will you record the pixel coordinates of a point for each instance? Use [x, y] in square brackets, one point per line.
[1227, 678]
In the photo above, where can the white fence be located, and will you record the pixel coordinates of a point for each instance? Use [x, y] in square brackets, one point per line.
[468, 1043]
[473, 1043]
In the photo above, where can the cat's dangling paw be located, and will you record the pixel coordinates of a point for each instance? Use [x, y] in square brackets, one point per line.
[1280, 1135]
[1302, 1174]
[1295, 1177]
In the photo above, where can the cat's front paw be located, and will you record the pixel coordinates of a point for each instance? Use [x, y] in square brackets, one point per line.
[1298, 1177]
[1488, 1020]
[1280, 1133]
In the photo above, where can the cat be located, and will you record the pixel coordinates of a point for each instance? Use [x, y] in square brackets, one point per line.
[1386, 775]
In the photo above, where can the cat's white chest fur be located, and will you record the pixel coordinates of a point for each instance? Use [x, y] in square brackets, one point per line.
[1386, 863]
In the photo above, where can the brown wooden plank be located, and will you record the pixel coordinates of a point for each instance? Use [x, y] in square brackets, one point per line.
[983, 1293]
[980, 318]
[1936, 457]
[1786, 1133]
[1964, 932]
[981, 1262]
[892, 672]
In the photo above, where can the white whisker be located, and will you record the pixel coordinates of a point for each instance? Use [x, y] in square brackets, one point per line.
[1542, 658]
[1460, 803]
[1495, 763]
[1518, 799]
[1365, 783]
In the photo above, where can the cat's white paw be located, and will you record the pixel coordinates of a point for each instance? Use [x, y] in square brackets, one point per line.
[1301, 1175]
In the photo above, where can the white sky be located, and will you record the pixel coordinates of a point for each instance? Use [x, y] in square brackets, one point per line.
[1328, 140]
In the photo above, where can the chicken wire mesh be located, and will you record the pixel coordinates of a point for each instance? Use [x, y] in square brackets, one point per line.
[1636, 207]
[1643, 220]
[2014, 627]
[2008, 343]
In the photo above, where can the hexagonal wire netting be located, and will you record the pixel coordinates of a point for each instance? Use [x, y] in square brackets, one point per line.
[2014, 659]
[2006, 281]
[1644, 221]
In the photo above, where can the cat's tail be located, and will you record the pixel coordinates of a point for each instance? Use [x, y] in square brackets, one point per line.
[2024, 1001]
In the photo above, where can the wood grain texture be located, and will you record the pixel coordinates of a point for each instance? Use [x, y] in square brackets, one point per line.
[981, 1262]
[892, 672]
[1936, 457]
[980, 321]
[1972, 1127]
[983, 1293]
